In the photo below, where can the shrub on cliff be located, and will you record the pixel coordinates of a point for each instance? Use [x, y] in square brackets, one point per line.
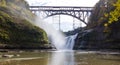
[15, 29]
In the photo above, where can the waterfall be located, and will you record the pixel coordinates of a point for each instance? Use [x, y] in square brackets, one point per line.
[70, 40]
[56, 37]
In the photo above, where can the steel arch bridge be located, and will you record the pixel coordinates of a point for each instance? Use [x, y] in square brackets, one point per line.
[81, 13]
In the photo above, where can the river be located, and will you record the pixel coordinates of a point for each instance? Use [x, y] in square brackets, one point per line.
[63, 58]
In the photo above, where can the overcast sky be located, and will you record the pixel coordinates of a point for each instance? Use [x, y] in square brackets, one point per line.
[67, 21]
[63, 2]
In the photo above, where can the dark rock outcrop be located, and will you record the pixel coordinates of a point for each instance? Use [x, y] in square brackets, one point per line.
[101, 36]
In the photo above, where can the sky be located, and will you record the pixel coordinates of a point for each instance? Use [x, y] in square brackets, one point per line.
[63, 2]
[66, 21]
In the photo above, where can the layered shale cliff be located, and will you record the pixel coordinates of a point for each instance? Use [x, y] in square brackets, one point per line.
[103, 30]
[16, 31]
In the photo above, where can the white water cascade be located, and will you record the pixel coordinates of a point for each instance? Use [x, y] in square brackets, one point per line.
[70, 40]
[57, 38]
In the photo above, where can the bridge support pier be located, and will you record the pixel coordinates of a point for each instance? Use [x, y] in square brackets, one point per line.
[73, 23]
[59, 23]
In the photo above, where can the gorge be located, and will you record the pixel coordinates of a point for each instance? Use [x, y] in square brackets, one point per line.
[27, 40]
[12, 29]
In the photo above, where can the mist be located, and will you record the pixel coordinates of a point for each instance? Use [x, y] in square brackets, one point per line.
[56, 38]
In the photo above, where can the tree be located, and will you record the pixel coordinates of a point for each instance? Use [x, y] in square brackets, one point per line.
[114, 15]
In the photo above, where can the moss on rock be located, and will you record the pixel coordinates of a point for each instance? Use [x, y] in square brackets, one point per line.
[18, 32]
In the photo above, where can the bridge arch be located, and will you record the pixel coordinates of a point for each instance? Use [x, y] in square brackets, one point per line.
[80, 13]
[66, 14]
[63, 22]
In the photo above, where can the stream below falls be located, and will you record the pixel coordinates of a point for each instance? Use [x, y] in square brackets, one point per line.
[63, 58]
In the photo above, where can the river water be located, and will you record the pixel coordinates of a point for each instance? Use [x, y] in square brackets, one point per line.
[64, 58]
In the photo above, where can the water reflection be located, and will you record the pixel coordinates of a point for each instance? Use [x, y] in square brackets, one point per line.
[62, 58]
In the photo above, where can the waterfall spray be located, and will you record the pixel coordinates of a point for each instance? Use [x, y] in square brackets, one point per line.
[57, 38]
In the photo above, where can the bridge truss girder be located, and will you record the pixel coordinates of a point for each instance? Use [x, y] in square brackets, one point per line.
[82, 16]
[80, 13]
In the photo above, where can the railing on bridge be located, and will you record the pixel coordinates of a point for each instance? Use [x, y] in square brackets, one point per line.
[60, 8]
[81, 13]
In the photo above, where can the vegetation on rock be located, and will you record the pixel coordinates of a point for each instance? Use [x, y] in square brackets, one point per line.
[15, 29]
[105, 22]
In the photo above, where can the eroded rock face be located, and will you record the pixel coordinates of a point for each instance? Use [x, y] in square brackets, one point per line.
[82, 39]
[103, 36]
[15, 29]
[97, 39]
[90, 39]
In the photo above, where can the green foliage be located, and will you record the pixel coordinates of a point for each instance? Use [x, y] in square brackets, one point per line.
[20, 9]
[4, 35]
[2, 3]
[3, 14]
[114, 15]
[103, 11]
[2, 19]
[106, 20]
[5, 19]
[98, 14]
[17, 31]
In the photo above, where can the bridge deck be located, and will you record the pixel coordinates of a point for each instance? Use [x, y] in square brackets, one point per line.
[81, 13]
[60, 8]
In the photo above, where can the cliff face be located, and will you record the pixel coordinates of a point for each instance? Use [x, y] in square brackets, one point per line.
[15, 29]
[105, 33]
